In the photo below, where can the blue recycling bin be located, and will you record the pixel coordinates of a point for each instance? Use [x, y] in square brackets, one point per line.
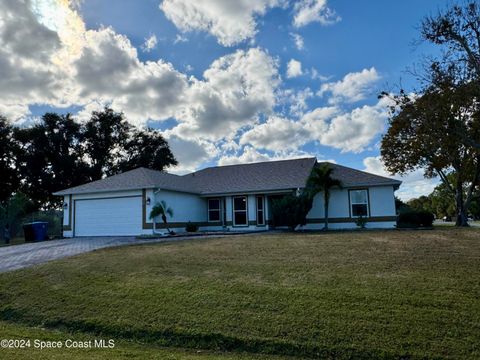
[35, 231]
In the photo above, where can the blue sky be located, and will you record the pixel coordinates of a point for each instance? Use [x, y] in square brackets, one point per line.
[227, 81]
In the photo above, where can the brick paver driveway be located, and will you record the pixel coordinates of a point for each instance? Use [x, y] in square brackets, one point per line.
[25, 255]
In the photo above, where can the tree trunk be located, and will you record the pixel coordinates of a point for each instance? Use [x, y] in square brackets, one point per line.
[461, 213]
[164, 218]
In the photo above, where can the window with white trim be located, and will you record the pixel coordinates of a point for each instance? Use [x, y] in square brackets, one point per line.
[359, 203]
[213, 210]
[240, 217]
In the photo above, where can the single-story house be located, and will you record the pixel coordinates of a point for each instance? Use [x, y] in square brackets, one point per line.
[233, 197]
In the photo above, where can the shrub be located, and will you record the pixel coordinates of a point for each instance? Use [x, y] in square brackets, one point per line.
[191, 227]
[291, 210]
[361, 222]
[415, 218]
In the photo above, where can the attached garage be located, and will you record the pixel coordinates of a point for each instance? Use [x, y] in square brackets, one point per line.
[116, 216]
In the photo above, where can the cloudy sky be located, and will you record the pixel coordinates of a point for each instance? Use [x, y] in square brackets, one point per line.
[227, 81]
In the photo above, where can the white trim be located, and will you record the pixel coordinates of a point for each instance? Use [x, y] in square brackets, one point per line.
[219, 210]
[358, 203]
[235, 211]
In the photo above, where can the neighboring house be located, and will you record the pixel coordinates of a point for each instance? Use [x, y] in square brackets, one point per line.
[234, 197]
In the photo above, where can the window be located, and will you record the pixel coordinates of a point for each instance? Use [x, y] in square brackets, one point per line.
[260, 211]
[359, 203]
[213, 209]
[240, 211]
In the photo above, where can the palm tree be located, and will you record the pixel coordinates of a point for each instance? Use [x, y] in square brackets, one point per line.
[161, 209]
[321, 180]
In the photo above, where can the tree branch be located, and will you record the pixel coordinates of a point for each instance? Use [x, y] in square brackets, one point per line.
[446, 181]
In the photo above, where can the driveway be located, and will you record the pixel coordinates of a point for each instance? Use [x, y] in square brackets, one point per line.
[25, 255]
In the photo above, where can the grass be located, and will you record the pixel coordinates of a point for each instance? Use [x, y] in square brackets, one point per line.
[372, 294]
[121, 349]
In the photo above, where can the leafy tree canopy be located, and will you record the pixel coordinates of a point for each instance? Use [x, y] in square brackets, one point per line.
[58, 152]
[438, 128]
[9, 179]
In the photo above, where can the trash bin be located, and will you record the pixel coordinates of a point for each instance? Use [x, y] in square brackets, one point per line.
[35, 231]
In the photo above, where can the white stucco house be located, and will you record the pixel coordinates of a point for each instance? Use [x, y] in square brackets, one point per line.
[234, 197]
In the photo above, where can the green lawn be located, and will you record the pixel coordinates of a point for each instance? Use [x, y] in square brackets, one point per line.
[121, 350]
[372, 294]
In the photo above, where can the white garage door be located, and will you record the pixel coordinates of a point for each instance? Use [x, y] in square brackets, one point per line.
[108, 217]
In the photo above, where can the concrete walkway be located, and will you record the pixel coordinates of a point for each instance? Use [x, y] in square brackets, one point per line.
[20, 256]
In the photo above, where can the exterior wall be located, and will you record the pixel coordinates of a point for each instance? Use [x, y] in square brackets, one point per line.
[382, 201]
[229, 209]
[193, 208]
[186, 207]
[381, 205]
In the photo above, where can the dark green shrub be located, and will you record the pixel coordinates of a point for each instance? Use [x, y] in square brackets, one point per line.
[191, 227]
[291, 210]
[361, 222]
[415, 218]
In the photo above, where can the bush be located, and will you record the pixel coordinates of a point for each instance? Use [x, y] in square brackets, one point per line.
[415, 218]
[361, 222]
[191, 227]
[291, 210]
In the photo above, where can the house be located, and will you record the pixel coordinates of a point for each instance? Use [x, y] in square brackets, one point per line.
[234, 197]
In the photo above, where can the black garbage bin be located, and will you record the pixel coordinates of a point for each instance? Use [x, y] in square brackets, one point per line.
[35, 231]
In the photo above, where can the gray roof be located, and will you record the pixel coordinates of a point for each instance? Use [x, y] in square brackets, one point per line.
[255, 177]
[140, 178]
[261, 176]
[353, 177]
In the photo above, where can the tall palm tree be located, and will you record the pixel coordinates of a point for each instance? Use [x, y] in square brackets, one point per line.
[161, 209]
[321, 180]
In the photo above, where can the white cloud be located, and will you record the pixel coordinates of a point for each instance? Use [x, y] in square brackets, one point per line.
[294, 68]
[298, 40]
[351, 131]
[150, 43]
[235, 90]
[142, 90]
[348, 131]
[413, 184]
[296, 100]
[250, 155]
[230, 21]
[26, 50]
[276, 134]
[189, 153]
[315, 75]
[180, 39]
[352, 88]
[53, 60]
[308, 11]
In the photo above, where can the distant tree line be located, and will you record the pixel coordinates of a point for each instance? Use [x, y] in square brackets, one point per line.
[58, 152]
[441, 202]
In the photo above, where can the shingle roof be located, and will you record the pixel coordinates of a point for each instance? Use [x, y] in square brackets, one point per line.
[353, 177]
[140, 178]
[262, 176]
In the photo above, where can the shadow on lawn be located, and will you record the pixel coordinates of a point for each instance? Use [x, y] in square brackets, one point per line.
[206, 341]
